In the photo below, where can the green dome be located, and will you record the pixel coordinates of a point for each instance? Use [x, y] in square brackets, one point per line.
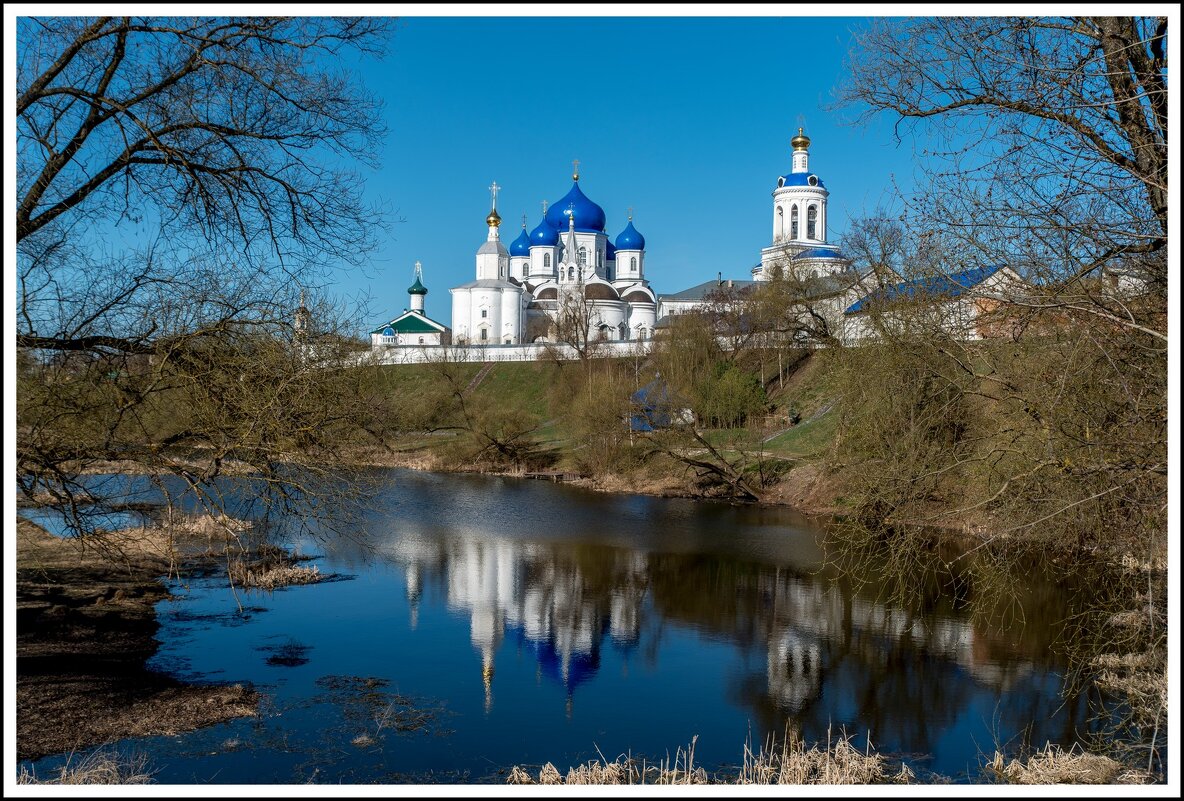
[417, 288]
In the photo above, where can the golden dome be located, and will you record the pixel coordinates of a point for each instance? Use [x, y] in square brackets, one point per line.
[801, 141]
[494, 218]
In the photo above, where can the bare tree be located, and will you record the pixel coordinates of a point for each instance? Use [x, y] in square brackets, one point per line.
[1045, 151]
[181, 185]
[1048, 145]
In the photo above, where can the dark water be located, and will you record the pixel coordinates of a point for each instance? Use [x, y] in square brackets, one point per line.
[503, 622]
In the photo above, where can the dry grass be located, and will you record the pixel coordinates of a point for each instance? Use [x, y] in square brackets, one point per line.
[271, 577]
[789, 763]
[794, 763]
[98, 767]
[1054, 765]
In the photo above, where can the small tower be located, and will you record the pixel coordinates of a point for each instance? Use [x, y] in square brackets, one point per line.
[493, 260]
[520, 254]
[417, 290]
[544, 250]
[301, 320]
[801, 152]
[570, 271]
[630, 253]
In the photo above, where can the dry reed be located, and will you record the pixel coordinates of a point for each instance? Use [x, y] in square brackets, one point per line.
[98, 767]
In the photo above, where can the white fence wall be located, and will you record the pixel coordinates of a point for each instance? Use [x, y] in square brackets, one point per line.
[499, 353]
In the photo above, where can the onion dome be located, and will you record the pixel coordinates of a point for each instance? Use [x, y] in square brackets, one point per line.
[417, 288]
[494, 219]
[630, 239]
[801, 141]
[521, 245]
[545, 235]
[589, 216]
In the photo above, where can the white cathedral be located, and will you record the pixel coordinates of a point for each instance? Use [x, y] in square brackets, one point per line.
[567, 259]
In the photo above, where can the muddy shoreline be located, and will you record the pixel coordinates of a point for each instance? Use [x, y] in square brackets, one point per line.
[86, 626]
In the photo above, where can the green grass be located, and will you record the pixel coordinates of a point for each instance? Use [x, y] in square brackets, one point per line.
[806, 439]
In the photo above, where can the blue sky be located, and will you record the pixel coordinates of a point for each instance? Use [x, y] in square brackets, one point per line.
[687, 120]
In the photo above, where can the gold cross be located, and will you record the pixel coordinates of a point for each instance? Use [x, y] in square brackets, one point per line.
[494, 189]
[630, 212]
[575, 175]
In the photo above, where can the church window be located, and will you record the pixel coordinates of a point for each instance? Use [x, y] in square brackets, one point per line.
[793, 223]
[421, 340]
[780, 223]
[583, 257]
[483, 334]
[485, 312]
[633, 264]
[571, 273]
[812, 222]
[641, 333]
[546, 259]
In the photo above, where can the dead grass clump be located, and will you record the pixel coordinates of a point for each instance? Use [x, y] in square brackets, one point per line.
[98, 767]
[794, 763]
[1054, 765]
[265, 576]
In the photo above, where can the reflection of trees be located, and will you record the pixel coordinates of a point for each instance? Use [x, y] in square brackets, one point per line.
[833, 655]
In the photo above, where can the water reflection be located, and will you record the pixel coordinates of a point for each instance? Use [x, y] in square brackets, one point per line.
[829, 655]
[553, 621]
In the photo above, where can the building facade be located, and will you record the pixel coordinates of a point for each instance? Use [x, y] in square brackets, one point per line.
[565, 270]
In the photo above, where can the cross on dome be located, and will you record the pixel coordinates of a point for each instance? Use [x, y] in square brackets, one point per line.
[575, 173]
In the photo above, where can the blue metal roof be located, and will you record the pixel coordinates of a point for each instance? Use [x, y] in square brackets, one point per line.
[630, 239]
[589, 216]
[544, 235]
[521, 245]
[818, 253]
[801, 179]
[939, 286]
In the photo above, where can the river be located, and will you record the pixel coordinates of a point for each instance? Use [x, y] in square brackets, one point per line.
[486, 622]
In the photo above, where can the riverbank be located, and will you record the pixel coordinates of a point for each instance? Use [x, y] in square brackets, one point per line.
[86, 626]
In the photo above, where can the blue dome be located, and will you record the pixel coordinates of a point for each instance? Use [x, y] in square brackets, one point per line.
[630, 239]
[800, 179]
[589, 216]
[521, 245]
[610, 250]
[544, 235]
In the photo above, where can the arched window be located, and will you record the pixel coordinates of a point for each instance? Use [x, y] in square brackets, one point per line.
[812, 222]
[546, 259]
[599, 259]
[571, 273]
[780, 232]
[388, 332]
[633, 264]
[641, 333]
[583, 257]
[793, 223]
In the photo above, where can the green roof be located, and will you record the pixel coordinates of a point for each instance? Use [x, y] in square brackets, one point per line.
[410, 323]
